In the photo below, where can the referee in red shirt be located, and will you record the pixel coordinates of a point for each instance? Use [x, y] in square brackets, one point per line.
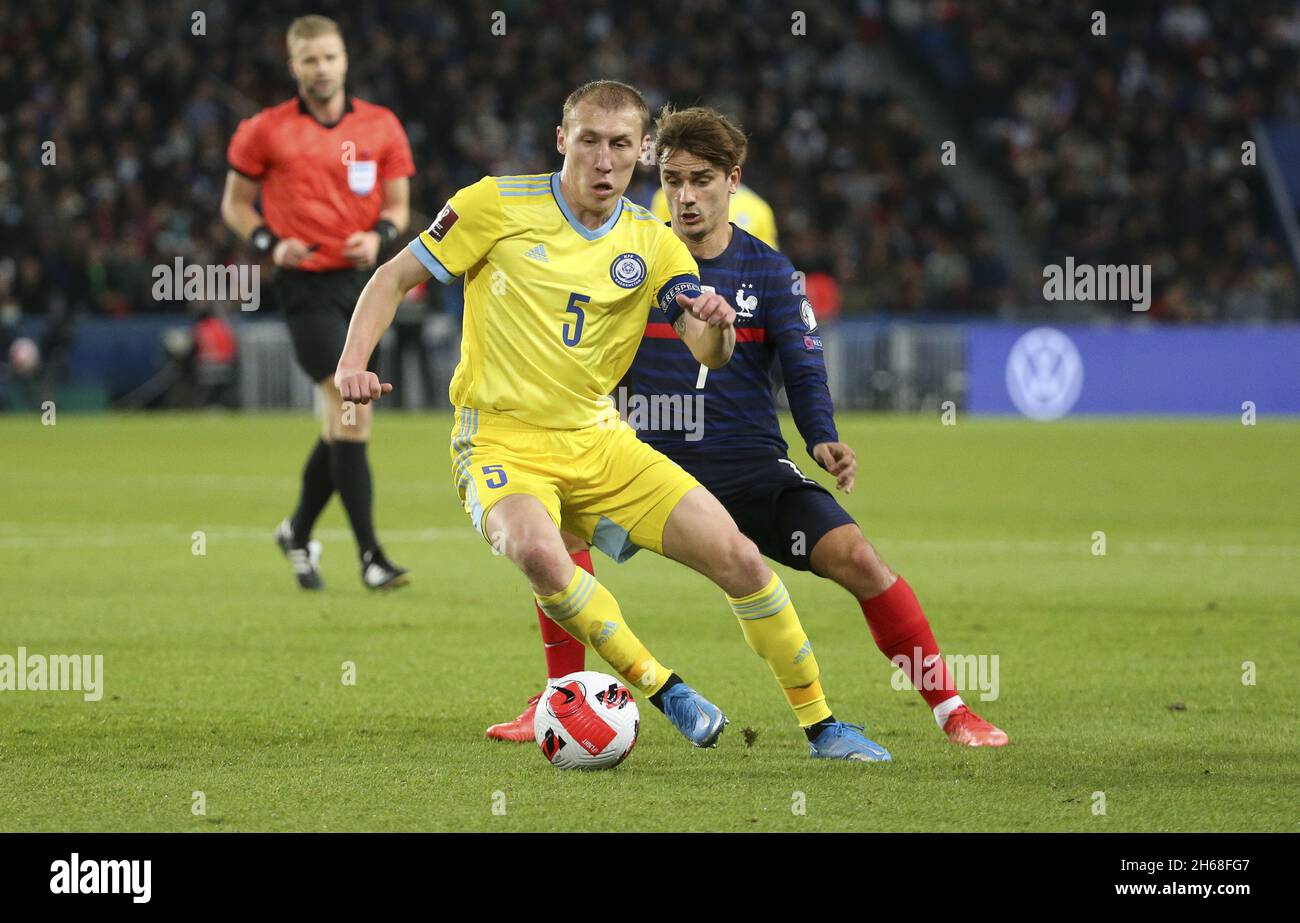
[333, 172]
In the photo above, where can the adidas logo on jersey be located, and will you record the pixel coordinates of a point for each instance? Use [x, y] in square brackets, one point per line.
[538, 253]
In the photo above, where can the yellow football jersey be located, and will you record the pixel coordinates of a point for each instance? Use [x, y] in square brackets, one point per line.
[748, 210]
[554, 311]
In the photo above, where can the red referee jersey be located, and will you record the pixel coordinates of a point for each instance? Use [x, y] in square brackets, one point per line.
[321, 183]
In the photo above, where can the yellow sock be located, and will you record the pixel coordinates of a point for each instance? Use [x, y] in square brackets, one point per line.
[589, 612]
[772, 628]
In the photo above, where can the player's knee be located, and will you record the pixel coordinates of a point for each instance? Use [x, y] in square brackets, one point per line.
[864, 567]
[743, 570]
[543, 562]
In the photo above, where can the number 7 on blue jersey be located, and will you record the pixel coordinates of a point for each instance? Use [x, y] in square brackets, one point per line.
[572, 333]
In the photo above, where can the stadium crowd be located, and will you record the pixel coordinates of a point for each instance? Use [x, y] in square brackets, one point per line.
[140, 110]
[1112, 153]
[1127, 147]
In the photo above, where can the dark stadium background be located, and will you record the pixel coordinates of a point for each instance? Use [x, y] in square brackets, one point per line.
[1116, 149]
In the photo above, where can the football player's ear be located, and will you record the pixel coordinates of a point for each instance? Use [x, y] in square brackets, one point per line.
[559, 138]
[647, 155]
[733, 181]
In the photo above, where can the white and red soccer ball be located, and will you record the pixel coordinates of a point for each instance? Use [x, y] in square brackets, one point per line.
[586, 720]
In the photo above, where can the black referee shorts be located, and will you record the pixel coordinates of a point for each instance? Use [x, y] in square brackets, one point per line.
[782, 512]
[317, 307]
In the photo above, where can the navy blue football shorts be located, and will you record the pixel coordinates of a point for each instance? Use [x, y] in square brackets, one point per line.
[780, 510]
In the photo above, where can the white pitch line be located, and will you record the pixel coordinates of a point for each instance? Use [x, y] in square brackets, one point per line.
[207, 481]
[149, 534]
[1084, 546]
[65, 535]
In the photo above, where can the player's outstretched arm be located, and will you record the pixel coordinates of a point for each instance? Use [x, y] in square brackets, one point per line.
[708, 328]
[371, 317]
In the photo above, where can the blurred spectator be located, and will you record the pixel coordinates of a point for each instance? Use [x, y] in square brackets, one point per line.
[140, 109]
[1126, 148]
[1123, 148]
[214, 361]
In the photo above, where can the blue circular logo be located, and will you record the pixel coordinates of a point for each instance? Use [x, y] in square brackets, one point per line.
[627, 270]
[1044, 374]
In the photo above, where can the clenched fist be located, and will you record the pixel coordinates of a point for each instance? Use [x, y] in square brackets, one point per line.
[360, 385]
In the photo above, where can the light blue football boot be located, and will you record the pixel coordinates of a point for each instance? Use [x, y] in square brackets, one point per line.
[699, 720]
[841, 741]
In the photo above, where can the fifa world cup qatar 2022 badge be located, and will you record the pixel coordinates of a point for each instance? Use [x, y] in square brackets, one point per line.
[627, 270]
[443, 223]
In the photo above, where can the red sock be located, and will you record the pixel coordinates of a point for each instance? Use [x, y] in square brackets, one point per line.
[902, 632]
[564, 653]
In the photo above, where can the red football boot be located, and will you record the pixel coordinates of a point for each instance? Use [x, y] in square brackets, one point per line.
[970, 730]
[521, 729]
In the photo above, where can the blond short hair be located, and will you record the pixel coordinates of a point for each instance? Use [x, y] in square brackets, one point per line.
[611, 96]
[308, 27]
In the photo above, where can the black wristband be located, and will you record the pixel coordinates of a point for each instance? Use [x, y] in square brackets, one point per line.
[386, 230]
[262, 239]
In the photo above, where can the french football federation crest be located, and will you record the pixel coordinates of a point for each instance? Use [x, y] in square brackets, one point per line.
[746, 305]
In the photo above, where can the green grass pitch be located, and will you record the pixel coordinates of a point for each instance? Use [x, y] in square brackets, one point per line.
[1120, 674]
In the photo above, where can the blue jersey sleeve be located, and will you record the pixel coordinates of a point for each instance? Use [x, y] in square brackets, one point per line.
[792, 330]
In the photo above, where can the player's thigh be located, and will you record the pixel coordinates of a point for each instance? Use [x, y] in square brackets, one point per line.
[522, 528]
[489, 466]
[844, 555]
[701, 534]
[621, 491]
[798, 519]
[574, 544]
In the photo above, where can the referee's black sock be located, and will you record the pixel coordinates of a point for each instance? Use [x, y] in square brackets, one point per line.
[317, 486]
[351, 470]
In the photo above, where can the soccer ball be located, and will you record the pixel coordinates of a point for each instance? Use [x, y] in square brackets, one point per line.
[586, 720]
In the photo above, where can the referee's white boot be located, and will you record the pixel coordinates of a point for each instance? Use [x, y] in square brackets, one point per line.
[379, 573]
[304, 558]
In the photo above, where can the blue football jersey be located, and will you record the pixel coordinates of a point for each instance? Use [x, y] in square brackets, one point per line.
[690, 412]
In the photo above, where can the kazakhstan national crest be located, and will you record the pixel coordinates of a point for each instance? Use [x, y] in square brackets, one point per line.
[627, 270]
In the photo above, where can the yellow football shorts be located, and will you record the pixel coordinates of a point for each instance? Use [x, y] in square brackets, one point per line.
[600, 483]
